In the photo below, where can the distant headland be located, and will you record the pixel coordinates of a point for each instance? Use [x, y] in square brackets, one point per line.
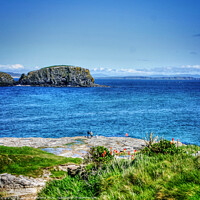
[150, 77]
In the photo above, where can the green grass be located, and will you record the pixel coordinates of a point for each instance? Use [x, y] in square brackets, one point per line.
[58, 174]
[147, 177]
[29, 161]
[58, 66]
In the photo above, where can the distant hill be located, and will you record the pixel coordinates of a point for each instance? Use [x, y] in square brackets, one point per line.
[150, 78]
[99, 75]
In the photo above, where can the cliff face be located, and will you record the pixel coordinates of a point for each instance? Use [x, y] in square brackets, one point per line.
[59, 76]
[6, 79]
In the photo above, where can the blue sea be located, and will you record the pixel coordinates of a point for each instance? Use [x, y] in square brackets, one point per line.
[170, 109]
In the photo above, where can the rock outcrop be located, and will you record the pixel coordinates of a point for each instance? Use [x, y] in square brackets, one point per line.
[15, 187]
[59, 76]
[6, 79]
[9, 181]
[23, 187]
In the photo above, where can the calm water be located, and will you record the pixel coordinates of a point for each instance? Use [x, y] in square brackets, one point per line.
[168, 108]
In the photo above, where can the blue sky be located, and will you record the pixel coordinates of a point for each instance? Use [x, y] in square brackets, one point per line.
[115, 37]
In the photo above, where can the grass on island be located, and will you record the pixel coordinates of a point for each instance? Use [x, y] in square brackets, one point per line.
[58, 66]
[29, 161]
[159, 176]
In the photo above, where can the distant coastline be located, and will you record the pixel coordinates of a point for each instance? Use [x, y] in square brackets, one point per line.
[149, 78]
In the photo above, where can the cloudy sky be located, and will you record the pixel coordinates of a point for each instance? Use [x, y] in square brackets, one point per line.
[112, 37]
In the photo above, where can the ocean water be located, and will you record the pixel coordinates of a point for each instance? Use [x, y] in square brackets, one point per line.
[167, 108]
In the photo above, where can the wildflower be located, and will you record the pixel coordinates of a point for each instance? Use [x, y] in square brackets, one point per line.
[119, 153]
[132, 157]
[124, 151]
[129, 153]
[135, 151]
[177, 142]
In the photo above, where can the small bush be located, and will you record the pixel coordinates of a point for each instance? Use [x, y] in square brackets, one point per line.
[99, 155]
[163, 147]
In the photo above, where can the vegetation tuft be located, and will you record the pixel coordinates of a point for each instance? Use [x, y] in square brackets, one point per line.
[163, 147]
[99, 155]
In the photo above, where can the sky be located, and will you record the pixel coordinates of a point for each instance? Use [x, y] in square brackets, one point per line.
[110, 37]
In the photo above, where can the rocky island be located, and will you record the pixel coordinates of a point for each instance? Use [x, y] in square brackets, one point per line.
[59, 76]
[6, 79]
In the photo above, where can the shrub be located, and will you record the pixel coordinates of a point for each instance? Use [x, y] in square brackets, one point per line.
[99, 155]
[163, 147]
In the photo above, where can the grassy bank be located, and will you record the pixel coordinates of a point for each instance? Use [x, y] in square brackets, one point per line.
[29, 161]
[159, 176]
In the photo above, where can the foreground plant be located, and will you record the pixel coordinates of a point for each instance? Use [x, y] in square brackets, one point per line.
[150, 139]
[162, 147]
[99, 155]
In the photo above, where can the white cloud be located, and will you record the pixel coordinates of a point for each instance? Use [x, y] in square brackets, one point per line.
[18, 68]
[116, 72]
[191, 66]
[12, 67]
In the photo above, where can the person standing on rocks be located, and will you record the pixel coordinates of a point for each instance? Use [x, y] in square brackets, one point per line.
[88, 134]
[91, 134]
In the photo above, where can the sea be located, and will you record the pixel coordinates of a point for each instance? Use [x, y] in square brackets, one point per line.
[168, 108]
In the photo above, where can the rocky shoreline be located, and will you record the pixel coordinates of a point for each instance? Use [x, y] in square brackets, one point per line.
[75, 146]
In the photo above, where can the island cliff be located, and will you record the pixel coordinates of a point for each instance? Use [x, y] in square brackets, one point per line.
[6, 79]
[59, 76]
